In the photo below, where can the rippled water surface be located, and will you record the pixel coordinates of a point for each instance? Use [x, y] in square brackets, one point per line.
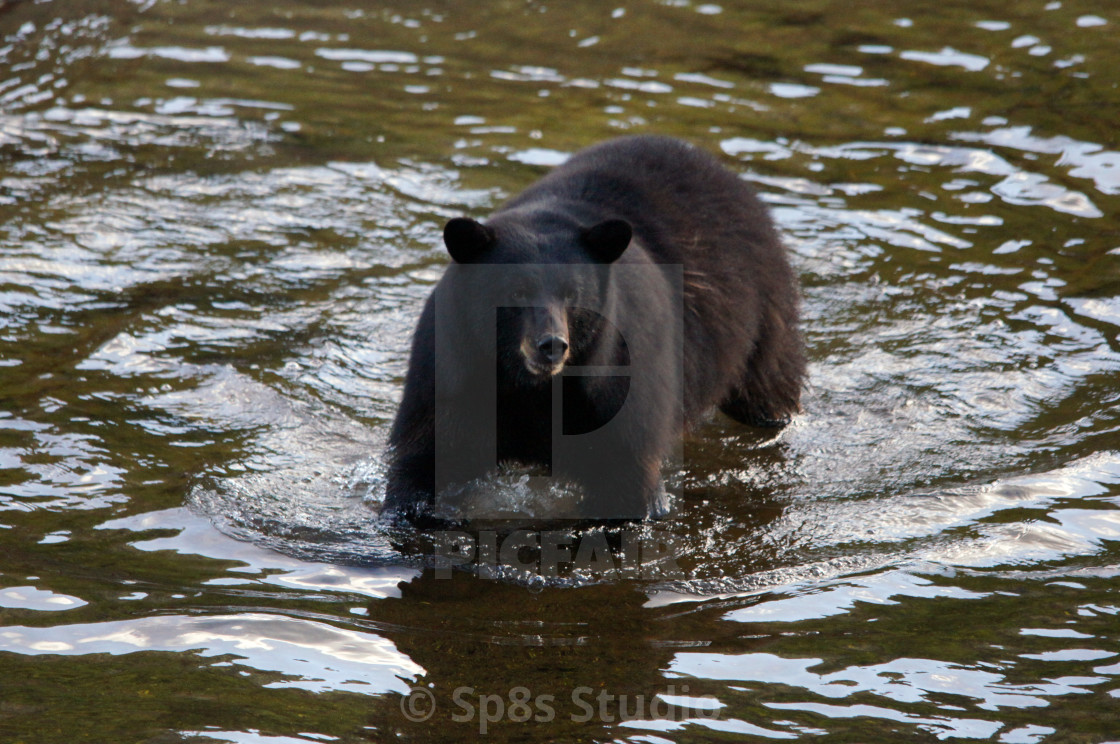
[218, 222]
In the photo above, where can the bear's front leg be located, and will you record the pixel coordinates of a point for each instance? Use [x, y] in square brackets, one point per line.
[621, 489]
[411, 484]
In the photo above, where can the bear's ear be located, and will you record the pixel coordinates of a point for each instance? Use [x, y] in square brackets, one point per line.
[607, 240]
[466, 239]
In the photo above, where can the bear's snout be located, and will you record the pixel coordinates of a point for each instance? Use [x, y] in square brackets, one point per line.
[544, 343]
[546, 356]
[553, 348]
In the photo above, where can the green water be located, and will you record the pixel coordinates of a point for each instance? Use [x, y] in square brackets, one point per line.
[218, 222]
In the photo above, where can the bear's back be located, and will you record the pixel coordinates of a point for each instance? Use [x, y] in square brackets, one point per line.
[686, 208]
[684, 205]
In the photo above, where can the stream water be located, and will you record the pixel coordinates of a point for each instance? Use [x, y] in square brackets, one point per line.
[218, 222]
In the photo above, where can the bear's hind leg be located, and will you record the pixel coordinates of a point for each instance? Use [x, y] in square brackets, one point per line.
[741, 408]
[768, 392]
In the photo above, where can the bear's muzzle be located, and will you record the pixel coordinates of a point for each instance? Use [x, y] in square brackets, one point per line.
[546, 356]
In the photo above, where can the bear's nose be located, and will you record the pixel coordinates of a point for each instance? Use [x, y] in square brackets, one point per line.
[553, 348]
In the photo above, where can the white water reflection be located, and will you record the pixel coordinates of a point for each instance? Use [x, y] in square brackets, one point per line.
[1087, 160]
[252, 736]
[903, 539]
[1017, 185]
[40, 600]
[942, 727]
[837, 597]
[307, 654]
[908, 684]
[948, 57]
[260, 566]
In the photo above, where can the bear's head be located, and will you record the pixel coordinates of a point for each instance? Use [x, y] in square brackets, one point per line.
[548, 281]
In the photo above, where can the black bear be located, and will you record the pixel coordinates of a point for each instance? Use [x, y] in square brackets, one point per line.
[627, 292]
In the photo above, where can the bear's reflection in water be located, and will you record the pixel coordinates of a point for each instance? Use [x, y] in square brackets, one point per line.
[494, 651]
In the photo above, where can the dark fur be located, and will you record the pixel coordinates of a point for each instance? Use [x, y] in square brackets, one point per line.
[742, 349]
